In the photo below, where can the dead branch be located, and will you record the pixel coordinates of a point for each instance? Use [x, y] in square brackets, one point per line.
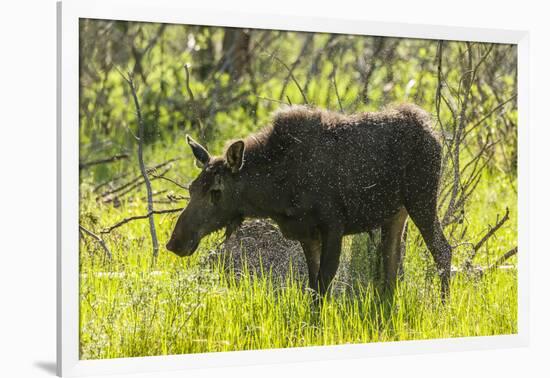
[492, 111]
[379, 43]
[501, 260]
[492, 231]
[98, 239]
[111, 159]
[457, 135]
[142, 168]
[272, 100]
[156, 194]
[130, 182]
[333, 75]
[307, 43]
[125, 189]
[162, 177]
[275, 57]
[326, 49]
[469, 260]
[176, 197]
[138, 217]
[110, 181]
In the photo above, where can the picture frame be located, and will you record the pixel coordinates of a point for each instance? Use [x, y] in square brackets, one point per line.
[166, 11]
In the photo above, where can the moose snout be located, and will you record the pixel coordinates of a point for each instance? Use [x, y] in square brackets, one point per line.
[174, 245]
[183, 246]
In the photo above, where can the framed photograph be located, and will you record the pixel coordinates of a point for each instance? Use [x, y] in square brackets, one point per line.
[239, 188]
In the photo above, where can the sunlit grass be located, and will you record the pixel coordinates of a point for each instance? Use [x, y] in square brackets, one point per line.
[130, 307]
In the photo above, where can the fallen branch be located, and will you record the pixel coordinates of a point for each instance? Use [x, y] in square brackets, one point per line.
[98, 239]
[110, 181]
[501, 260]
[111, 159]
[137, 217]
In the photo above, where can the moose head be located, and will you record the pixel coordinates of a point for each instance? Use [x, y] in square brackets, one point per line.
[213, 198]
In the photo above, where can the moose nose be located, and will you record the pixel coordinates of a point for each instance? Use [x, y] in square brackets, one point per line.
[173, 245]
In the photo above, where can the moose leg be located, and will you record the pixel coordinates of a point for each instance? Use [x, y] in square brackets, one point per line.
[312, 251]
[420, 191]
[330, 258]
[422, 209]
[392, 234]
[441, 251]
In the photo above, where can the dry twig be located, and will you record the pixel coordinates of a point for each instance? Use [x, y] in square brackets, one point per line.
[137, 217]
[468, 262]
[111, 159]
[98, 239]
[501, 260]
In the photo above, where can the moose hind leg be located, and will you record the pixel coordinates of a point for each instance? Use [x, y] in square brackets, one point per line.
[440, 249]
[423, 212]
[420, 190]
[390, 247]
[312, 252]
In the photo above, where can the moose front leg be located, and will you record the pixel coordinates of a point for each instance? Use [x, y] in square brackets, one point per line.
[312, 251]
[330, 258]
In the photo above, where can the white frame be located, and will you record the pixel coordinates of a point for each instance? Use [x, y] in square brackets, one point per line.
[170, 11]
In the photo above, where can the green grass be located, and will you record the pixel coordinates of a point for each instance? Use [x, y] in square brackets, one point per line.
[187, 305]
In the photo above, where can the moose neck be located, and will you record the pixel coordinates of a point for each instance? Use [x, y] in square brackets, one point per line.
[261, 182]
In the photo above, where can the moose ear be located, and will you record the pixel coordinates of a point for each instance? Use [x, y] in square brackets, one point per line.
[199, 151]
[234, 156]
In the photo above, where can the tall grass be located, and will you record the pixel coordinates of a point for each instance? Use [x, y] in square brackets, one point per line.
[129, 307]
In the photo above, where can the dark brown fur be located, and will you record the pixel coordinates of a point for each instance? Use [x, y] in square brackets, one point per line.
[322, 175]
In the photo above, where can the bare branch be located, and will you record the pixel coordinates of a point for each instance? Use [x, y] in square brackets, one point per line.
[492, 231]
[275, 57]
[111, 159]
[126, 188]
[272, 100]
[468, 263]
[307, 43]
[161, 176]
[98, 239]
[138, 217]
[336, 89]
[492, 111]
[132, 181]
[142, 168]
[501, 260]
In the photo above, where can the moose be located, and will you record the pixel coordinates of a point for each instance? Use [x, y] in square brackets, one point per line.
[321, 175]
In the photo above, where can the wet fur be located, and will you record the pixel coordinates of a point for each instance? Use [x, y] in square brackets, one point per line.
[321, 175]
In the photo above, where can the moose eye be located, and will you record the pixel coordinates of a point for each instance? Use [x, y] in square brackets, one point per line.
[215, 196]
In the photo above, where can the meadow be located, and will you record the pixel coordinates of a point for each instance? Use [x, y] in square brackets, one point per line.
[135, 304]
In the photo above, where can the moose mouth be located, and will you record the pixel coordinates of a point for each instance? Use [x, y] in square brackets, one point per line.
[183, 248]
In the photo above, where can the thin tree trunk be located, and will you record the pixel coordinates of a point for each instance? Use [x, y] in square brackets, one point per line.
[143, 170]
